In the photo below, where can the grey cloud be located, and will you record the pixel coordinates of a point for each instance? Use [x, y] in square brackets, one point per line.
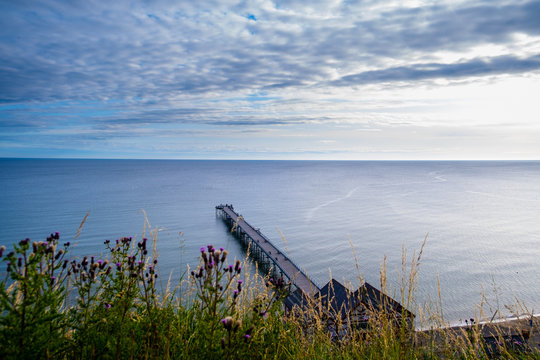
[56, 50]
[475, 67]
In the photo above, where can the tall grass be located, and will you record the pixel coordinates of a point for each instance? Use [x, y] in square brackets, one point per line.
[110, 308]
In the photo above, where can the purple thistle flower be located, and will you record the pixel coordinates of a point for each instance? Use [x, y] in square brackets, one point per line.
[221, 249]
[107, 306]
[240, 282]
[203, 249]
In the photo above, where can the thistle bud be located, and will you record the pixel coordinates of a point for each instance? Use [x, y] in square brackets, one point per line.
[227, 323]
[237, 325]
[60, 252]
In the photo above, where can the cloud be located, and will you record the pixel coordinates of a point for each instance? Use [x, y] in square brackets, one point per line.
[57, 50]
[472, 68]
[170, 65]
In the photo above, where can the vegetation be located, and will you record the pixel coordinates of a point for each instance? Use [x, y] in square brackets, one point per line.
[88, 308]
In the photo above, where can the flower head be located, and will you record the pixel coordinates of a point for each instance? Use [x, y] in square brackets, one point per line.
[227, 322]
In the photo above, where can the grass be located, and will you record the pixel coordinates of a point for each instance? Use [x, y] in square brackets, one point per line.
[53, 307]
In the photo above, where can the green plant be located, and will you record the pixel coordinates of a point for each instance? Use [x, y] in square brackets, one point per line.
[32, 299]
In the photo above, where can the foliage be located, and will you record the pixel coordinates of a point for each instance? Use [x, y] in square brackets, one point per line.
[110, 308]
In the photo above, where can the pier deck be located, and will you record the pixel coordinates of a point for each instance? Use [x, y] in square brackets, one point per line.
[287, 268]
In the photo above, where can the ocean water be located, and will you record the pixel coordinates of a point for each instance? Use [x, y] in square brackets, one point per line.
[481, 219]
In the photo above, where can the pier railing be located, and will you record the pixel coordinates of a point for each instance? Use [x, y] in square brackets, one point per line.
[266, 253]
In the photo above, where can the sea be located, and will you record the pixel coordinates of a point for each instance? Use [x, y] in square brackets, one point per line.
[346, 220]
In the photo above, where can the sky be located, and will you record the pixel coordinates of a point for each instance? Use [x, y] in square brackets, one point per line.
[270, 79]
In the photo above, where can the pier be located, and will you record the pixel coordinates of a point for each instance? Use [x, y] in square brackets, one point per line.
[351, 309]
[267, 254]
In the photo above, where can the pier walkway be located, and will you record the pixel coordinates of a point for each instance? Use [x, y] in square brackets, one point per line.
[264, 249]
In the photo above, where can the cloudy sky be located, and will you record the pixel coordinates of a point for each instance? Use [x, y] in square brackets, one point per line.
[270, 79]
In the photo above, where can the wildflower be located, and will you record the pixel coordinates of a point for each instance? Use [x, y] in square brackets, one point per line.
[246, 337]
[2, 249]
[202, 249]
[107, 306]
[106, 242]
[223, 343]
[60, 252]
[227, 322]
[52, 280]
[237, 325]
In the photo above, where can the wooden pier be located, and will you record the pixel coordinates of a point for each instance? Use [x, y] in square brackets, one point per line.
[267, 254]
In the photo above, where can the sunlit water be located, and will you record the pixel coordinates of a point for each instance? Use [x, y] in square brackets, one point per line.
[482, 217]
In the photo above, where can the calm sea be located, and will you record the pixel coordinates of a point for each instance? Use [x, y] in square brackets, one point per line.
[482, 217]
